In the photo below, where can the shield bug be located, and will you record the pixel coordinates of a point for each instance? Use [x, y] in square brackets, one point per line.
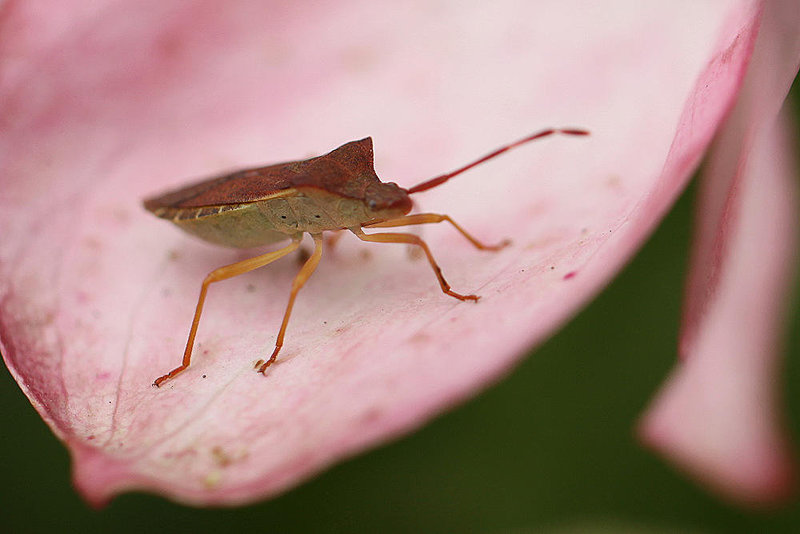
[336, 191]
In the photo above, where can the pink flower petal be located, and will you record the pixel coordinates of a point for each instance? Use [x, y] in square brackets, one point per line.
[718, 416]
[96, 295]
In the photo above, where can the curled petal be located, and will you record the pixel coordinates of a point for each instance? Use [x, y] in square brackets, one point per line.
[719, 414]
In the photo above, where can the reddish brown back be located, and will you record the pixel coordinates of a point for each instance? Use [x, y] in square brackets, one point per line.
[346, 171]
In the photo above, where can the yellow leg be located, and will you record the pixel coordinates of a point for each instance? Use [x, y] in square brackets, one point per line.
[229, 271]
[413, 240]
[426, 218]
[299, 280]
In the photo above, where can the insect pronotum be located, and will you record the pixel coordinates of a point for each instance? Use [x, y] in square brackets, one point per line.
[337, 191]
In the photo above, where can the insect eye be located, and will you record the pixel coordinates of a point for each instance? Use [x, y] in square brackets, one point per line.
[371, 204]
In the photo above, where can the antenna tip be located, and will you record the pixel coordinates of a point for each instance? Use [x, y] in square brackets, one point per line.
[573, 131]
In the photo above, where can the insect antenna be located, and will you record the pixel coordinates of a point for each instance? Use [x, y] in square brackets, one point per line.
[439, 180]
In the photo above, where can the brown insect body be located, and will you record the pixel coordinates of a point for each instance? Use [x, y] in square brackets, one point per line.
[264, 205]
[336, 191]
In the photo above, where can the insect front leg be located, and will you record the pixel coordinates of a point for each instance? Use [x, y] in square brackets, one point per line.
[427, 218]
[305, 273]
[229, 271]
[414, 240]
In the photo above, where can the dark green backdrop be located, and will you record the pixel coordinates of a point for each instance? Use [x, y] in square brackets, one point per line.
[550, 446]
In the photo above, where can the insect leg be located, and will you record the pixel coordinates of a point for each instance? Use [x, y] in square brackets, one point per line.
[305, 273]
[414, 240]
[426, 218]
[228, 271]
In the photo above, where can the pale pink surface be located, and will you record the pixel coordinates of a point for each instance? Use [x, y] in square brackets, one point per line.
[96, 295]
[719, 415]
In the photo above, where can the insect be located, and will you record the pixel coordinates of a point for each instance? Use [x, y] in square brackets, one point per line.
[336, 191]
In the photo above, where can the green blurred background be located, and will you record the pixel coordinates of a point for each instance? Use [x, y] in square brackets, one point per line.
[548, 448]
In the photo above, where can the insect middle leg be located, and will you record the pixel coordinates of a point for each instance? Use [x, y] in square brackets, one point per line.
[305, 273]
[229, 271]
[426, 218]
[413, 240]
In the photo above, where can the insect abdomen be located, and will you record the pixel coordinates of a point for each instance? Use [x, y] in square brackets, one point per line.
[243, 227]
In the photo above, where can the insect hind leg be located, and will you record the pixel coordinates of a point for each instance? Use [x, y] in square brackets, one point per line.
[223, 273]
[299, 280]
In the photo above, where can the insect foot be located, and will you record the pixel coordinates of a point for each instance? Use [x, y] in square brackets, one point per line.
[473, 298]
[500, 246]
[161, 379]
[261, 365]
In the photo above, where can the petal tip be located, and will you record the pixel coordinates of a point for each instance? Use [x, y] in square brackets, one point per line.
[765, 476]
[98, 477]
